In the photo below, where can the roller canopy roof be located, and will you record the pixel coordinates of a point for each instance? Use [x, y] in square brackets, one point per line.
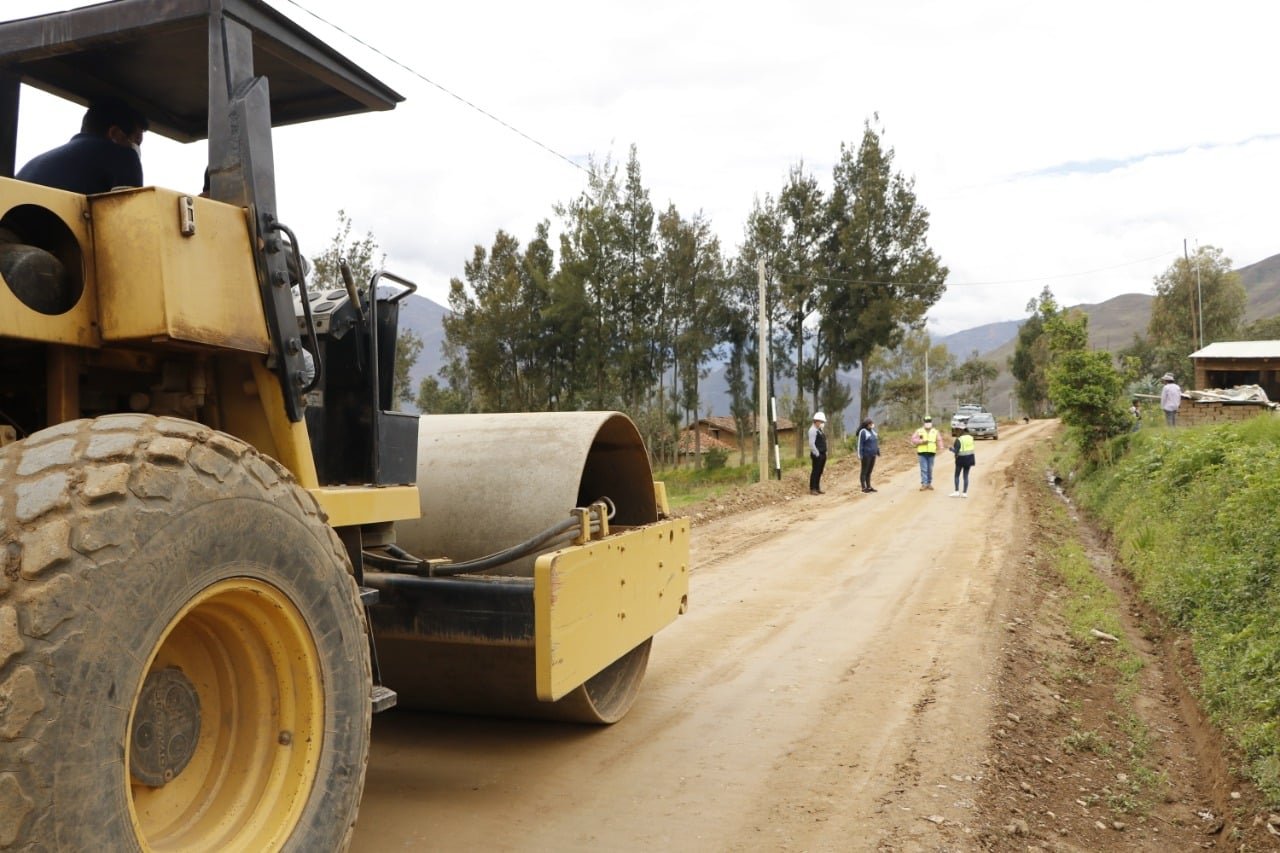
[154, 55]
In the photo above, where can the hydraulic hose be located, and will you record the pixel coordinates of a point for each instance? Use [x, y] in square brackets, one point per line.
[415, 566]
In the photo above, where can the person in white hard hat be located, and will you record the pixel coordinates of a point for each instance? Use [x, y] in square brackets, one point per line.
[817, 453]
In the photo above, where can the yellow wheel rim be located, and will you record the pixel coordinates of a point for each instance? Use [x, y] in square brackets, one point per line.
[235, 686]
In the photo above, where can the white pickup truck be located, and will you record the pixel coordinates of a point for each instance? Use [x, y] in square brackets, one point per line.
[978, 421]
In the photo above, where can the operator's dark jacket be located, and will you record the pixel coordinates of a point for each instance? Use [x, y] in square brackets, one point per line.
[87, 164]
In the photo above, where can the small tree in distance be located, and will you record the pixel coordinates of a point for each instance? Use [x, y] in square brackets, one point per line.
[974, 376]
[1029, 363]
[1084, 385]
[1200, 291]
[365, 259]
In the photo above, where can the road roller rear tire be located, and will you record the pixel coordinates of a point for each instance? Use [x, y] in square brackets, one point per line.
[183, 662]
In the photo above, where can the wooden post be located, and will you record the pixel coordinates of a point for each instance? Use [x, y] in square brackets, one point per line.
[762, 384]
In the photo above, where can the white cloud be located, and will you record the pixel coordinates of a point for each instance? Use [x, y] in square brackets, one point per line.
[985, 105]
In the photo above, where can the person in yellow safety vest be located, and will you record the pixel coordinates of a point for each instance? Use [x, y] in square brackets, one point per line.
[926, 441]
[962, 447]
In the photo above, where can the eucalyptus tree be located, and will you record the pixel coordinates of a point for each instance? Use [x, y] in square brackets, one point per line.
[882, 274]
[640, 298]
[1029, 363]
[690, 261]
[763, 240]
[591, 263]
[498, 326]
[741, 349]
[1200, 292]
[802, 215]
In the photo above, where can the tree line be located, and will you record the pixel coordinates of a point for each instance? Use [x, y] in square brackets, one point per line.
[633, 303]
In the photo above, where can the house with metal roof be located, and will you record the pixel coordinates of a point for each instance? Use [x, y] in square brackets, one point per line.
[1226, 364]
[1234, 380]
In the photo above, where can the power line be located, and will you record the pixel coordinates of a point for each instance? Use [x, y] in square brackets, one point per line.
[447, 91]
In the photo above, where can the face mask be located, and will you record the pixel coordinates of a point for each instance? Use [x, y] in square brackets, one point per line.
[137, 149]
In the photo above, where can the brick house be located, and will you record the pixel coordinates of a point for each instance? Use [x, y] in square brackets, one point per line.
[721, 431]
[1226, 364]
[1224, 372]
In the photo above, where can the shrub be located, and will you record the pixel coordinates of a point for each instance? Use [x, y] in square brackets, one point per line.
[715, 458]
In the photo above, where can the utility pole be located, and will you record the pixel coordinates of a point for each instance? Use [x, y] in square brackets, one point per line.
[1199, 295]
[1191, 298]
[762, 383]
[926, 373]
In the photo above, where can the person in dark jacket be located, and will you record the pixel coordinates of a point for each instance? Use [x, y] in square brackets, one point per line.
[105, 154]
[868, 450]
[817, 453]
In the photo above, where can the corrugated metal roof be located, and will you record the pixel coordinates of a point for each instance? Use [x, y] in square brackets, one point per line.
[1239, 349]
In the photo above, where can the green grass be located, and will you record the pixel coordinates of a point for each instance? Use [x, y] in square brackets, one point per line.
[1194, 513]
[1091, 605]
[687, 485]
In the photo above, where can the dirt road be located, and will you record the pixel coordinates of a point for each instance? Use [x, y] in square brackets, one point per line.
[829, 688]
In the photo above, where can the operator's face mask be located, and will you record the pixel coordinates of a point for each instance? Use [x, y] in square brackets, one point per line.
[132, 140]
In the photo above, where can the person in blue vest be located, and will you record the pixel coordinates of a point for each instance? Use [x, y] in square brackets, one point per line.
[868, 450]
[817, 453]
[962, 447]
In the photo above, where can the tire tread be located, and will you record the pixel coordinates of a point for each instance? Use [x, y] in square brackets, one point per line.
[73, 499]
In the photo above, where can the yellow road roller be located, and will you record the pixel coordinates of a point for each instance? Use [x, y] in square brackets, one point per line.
[220, 550]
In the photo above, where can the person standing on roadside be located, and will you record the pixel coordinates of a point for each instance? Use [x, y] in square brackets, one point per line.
[817, 453]
[868, 450]
[926, 440]
[1170, 399]
[962, 447]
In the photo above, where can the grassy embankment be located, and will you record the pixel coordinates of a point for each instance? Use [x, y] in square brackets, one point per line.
[1089, 605]
[1194, 512]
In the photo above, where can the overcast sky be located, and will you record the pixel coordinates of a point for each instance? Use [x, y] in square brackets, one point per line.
[1070, 145]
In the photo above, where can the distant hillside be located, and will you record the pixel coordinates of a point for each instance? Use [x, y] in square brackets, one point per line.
[425, 318]
[1262, 282]
[1112, 325]
[980, 338]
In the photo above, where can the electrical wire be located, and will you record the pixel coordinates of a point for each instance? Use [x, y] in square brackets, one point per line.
[444, 89]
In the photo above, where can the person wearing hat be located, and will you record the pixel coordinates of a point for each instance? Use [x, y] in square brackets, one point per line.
[1170, 399]
[817, 453]
[926, 440]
